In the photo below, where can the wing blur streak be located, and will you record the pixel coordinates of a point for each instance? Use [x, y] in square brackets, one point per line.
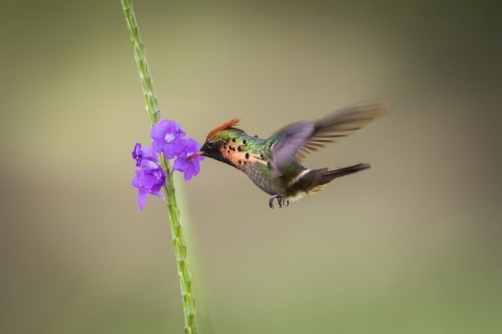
[301, 138]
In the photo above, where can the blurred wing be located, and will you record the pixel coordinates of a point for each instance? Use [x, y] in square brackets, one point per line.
[285, 144]
[299, 139]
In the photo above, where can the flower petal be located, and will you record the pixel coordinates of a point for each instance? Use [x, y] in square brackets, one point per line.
[189, 172]
[196, 166]
[136, 151]
[149, 179]
[147, 165]
[158, 131]
[181, 134]
[179, 145]
[192, 146]
[149, 153]
[158, 145]
[141, 199]
[169, 152]
[164, 127]
[159, 194]
[180, 164]
[187, 175]
[135, 180]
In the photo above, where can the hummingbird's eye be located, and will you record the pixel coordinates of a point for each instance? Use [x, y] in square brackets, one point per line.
[209, 144]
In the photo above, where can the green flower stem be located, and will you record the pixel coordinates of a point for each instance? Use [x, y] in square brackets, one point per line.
[171, 203]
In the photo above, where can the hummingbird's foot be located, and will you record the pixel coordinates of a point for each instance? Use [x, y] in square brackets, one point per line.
[271, 201]
[281, 201]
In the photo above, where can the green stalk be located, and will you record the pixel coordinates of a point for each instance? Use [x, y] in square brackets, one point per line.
[171, 203]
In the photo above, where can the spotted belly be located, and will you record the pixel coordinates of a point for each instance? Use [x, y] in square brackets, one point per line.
[250, 160]
[260, 175]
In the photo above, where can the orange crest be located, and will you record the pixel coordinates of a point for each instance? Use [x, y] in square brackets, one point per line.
[224, 126]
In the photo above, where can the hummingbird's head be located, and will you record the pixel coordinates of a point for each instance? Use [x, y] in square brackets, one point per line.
[216, 141]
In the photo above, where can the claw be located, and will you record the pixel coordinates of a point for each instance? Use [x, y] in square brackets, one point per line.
[271, 201]
[280, 200]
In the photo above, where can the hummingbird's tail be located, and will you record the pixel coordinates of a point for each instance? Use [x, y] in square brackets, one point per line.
[312, 181]
[331, 173]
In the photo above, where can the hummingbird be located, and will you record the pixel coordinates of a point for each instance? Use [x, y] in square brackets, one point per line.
[273, 164]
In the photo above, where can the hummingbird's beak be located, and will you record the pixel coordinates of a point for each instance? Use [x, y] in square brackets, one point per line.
[196, 154]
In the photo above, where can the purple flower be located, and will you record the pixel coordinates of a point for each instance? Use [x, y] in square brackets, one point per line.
[189, 168]
[168, 138]
[139, 153]
[150, 177]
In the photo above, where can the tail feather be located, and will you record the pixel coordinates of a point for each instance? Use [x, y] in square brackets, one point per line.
[333, 172]
[311, 181]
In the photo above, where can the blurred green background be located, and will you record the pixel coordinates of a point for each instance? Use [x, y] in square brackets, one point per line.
[411, 246]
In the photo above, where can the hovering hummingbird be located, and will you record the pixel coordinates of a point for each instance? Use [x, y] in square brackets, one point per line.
[273, 164]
